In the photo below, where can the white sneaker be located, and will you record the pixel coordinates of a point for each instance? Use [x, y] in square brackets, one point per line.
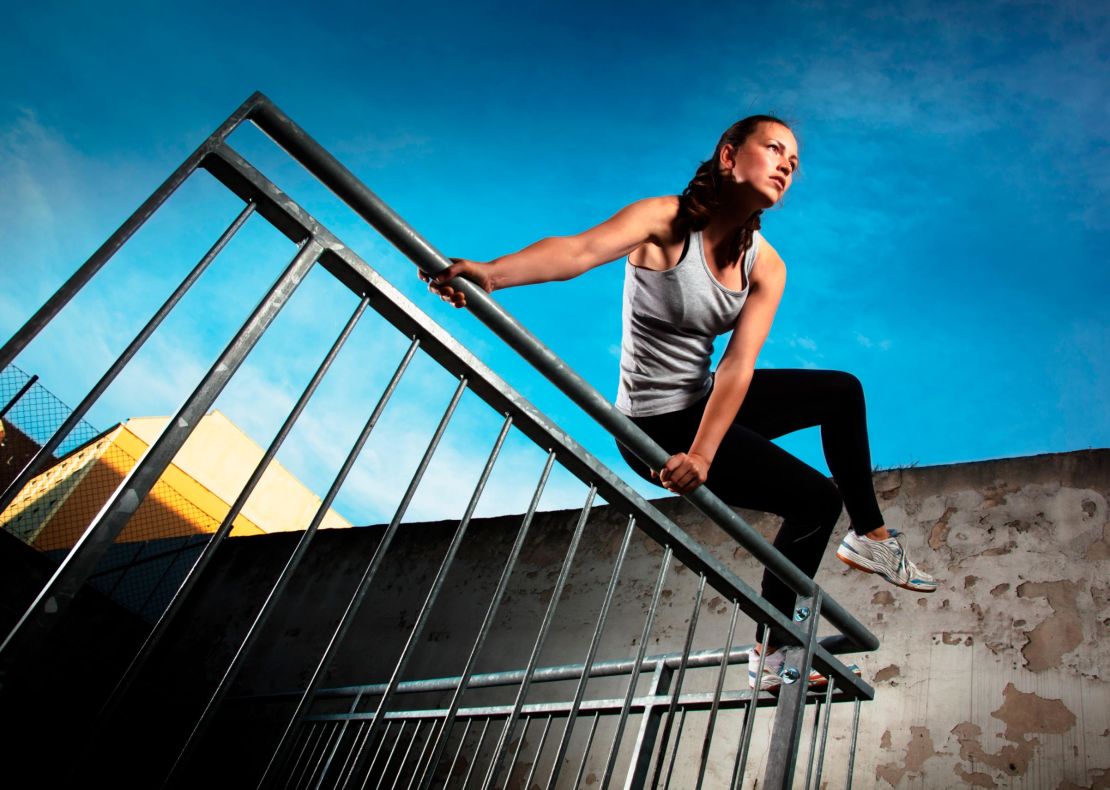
[886, 558]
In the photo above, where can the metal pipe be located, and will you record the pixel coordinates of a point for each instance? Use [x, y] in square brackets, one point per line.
[645, 636]
[674, 749]
[103, 254]
[201, 563]
[353, 754]
[378, 751]
[519, 746]
[783, 750]
[309, 729]
[370, 207]
[368, 575]
[316, 739]
[437, 583]
[852, 747]
[16, 398]
[541, 638]
[585, 752]
[29, 634]
[741, 766]
[46, 452]
[432, 733]
[707, 742]
[678, 681]
[392, 751]
[190, 580]
[813, 742]
[463, 681]
[291, 565]
[458, 750]
[591, 652]
[824, 733]
[333, 731]
[539, 750]
[477, 752]
[405, 756]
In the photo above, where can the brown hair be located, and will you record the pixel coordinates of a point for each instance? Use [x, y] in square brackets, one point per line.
[701, 198]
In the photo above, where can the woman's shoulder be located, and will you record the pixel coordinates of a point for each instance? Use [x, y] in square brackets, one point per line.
[659, 216]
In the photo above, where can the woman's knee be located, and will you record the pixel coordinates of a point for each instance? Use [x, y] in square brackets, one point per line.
[820, 506]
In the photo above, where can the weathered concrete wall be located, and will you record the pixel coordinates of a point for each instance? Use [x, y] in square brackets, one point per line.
[993, 681]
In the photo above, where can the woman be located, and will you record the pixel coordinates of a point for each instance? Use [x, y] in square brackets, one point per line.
[697, 268]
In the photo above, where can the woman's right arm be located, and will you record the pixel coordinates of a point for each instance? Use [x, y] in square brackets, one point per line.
[565, 257]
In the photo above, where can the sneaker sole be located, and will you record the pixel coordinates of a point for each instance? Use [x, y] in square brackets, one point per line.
[896, 582]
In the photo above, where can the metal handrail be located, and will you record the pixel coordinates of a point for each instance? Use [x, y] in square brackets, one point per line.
[330, 172]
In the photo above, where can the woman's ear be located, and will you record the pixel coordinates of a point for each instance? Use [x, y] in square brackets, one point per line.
[727, 158]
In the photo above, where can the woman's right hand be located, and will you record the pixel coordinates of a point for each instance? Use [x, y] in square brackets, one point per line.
[477, 273]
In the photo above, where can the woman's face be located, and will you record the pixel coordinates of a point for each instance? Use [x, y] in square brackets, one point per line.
[765, 162]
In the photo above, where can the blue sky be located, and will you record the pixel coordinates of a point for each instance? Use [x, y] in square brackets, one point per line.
[946, 240]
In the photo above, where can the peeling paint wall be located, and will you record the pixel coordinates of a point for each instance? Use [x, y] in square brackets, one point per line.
[995, 680]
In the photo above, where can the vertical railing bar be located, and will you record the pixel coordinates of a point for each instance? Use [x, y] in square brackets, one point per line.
[813, 743]
[429, 600]
[824, 732]
[53, 600]
[674, 749]
[852, 747]
[104, 253]
[541, 639]
[782, 751]
[487, 621]
[354, 755]
[519, 745]
[291, 564]
[677, 690]
[591, 653]
[317, 737]
[647, 734]
[458, 752]
[749, 717]
[307, 730]
[35, 464]
[333, 730]
[202, 561]
[586, 751]
[392, 751]
[363, 586]
[637, 667]
[377, 753]
[405, 757]
[707, 743]
[432, 733]
[539, 751]
[477, 753]
[356, 700]
[15, 398]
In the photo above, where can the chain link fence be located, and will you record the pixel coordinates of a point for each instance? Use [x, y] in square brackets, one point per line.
[155, 550]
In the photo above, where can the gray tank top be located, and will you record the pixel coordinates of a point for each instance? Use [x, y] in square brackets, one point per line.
[668, 324]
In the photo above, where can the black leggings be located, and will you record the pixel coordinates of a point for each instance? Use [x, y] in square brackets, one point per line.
[750, 471]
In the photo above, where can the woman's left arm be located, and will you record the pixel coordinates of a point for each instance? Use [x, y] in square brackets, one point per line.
[684, 472]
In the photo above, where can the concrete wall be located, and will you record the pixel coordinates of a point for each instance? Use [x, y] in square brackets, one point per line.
[993, 681]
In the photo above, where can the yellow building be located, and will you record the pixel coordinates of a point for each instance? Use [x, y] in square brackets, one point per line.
[192, 497]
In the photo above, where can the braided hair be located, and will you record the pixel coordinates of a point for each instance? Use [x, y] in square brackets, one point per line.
[701, 199]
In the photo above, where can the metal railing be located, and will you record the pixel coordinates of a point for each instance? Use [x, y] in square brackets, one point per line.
[350, 754]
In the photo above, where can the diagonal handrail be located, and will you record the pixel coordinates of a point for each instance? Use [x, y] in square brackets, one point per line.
[336, 177]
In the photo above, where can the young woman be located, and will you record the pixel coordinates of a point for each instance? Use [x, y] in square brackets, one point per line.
[697, 267]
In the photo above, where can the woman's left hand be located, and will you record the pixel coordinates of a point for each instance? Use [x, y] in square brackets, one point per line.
[683, 472]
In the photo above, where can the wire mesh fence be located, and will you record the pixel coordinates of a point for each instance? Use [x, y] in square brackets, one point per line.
[141, 570]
